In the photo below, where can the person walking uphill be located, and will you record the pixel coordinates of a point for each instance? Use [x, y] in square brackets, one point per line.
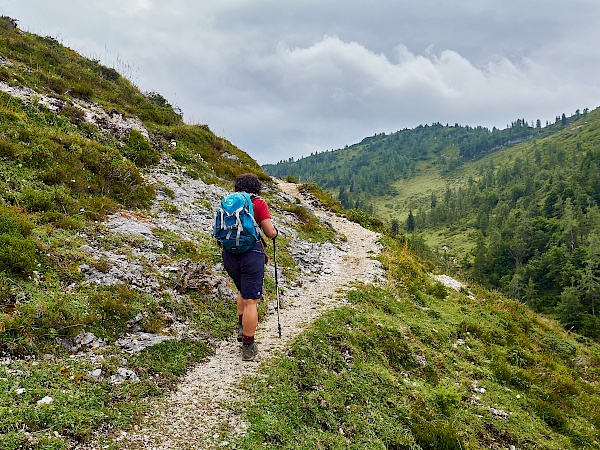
[244, 257]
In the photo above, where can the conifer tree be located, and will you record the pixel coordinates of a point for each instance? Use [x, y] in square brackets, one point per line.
[410, 222]
[395, 227]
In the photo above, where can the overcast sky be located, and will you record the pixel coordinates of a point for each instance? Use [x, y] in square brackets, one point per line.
[283, 78]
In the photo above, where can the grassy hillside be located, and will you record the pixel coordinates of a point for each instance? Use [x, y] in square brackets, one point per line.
[417, 365]
[525, 220]
[79, 146]
[62, 172]
[409, 364]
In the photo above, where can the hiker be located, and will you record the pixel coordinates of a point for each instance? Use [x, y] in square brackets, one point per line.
[247, 269]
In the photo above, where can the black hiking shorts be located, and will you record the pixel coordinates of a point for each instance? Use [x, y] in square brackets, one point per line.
[247, 270]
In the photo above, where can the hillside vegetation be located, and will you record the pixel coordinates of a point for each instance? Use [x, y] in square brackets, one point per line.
[80, 144]
[514, 209]
[358, 173]
[409, 364]
[416, 365]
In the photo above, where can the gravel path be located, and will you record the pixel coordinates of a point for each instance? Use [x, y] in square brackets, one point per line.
[194, 416]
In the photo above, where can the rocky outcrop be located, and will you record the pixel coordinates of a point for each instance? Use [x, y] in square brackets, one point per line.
[112, 122]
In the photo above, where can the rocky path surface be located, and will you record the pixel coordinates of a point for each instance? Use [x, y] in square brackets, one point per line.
[194, 416]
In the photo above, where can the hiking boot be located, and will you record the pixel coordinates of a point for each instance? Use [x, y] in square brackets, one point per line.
[240, 334]
[249, 351]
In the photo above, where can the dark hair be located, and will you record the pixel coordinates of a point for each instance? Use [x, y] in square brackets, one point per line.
[248, 182]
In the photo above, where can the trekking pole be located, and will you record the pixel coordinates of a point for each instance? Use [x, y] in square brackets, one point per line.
[276, 285]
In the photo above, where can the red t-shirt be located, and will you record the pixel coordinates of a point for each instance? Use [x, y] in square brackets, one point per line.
[261, 210]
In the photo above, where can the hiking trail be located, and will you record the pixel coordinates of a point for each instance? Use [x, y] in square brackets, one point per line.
[194, 415]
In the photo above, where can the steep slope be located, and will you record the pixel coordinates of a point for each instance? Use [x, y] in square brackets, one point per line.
[524, 220]
[107, 201]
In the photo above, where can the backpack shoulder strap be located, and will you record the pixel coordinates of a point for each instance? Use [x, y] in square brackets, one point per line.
[248, 200]
[251, 197]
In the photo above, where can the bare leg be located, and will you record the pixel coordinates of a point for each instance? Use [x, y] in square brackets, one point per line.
[240, 304]
[250, 316]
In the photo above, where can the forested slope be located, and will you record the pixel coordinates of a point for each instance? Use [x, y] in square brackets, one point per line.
[515, 209]
[368, 169]
[534, 220]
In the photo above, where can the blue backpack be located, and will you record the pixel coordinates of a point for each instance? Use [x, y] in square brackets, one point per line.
[235, 228]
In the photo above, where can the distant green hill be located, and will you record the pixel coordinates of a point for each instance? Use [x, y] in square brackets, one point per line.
[368, 169]
[515, 209]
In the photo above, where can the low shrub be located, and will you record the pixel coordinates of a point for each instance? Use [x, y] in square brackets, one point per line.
[322, 196]
[8, 148]
[447, 398]
[365, 220]
[518, 357]
[437, 289]
[115, 302]
[60, 220]
[17, 254]
[508, 375]
[139, 150]
[75, 115]
[109, 73]
[36, 200]
[83, 90]
[310, 224]
[550, 414]
[479, 330]
[95, 208]
[13, 222]
[17, 250]
[5, 292]
[435, 435]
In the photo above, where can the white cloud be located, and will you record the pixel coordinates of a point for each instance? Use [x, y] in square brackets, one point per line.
[134, 6]
[332, 75]
[117, 8]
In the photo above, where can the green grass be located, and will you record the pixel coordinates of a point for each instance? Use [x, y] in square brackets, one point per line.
[59, 179]
[325, 199]
[450, 244]
[410, 365]
[309, 226]
[366, 220]
[80, 405]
